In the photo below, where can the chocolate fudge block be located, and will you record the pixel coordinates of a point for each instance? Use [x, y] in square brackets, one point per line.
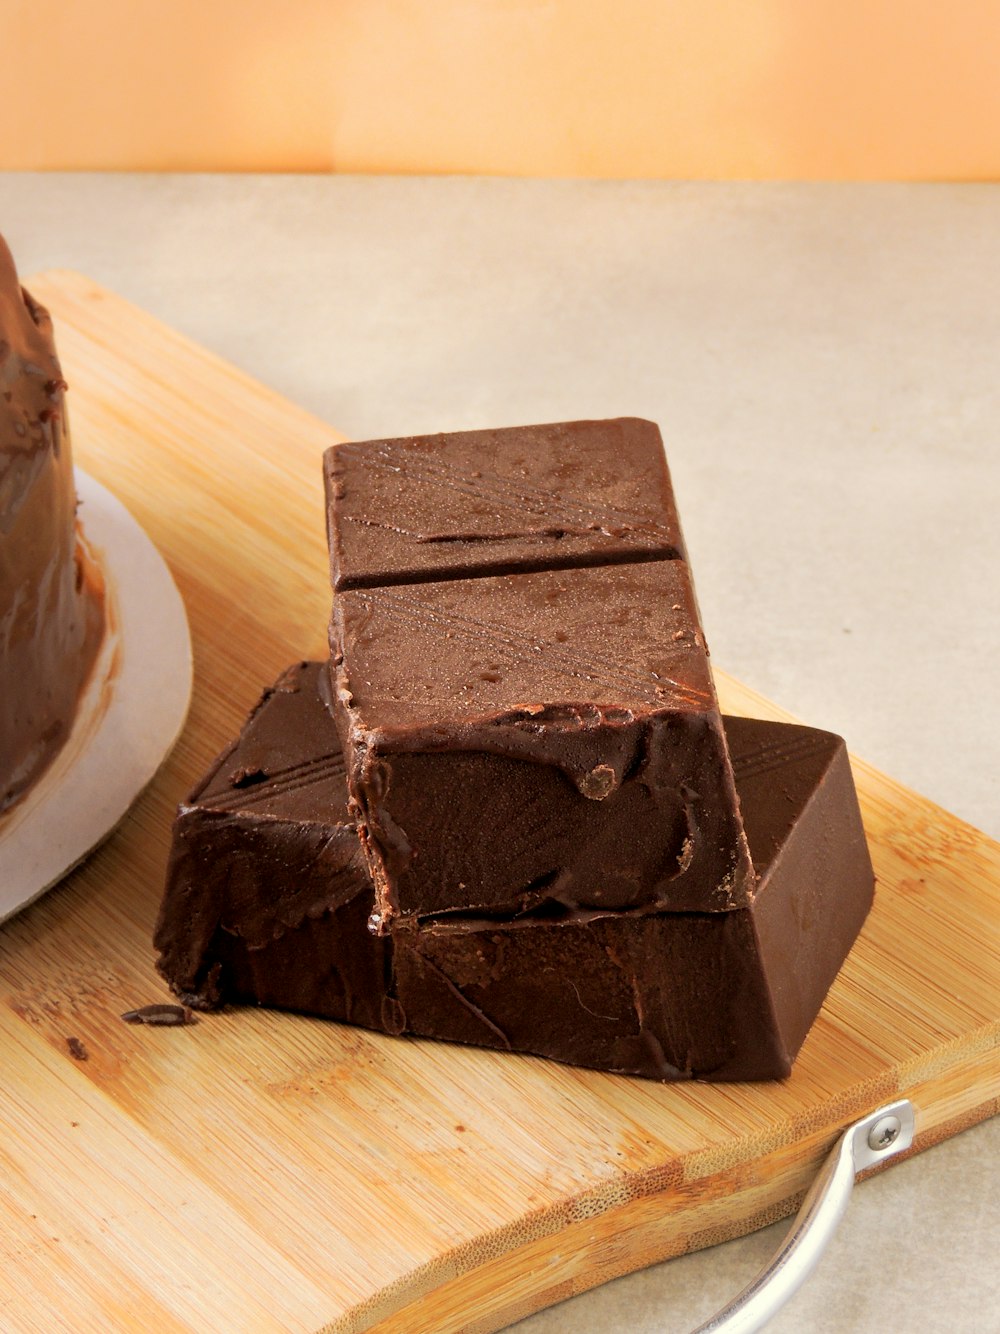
[516, 647]
[727, 996]
[498, 502]
[526, 742]
[267, 902]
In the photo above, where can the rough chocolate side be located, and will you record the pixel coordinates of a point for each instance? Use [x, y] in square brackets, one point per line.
[262, 850]
[499, 501]
[670, 996]
[50, 620]
[268, 900]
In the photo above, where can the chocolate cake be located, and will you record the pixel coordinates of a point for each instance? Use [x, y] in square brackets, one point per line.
[516, 648]
[51, 616]
[268, 900]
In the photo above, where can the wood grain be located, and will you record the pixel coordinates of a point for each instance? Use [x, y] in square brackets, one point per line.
[266, 1172]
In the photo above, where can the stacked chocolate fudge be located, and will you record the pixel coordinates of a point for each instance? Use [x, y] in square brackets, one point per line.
[508, 811]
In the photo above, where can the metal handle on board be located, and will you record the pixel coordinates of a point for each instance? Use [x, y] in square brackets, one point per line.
[876, 1137]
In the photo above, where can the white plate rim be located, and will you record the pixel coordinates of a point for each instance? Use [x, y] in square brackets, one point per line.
[130, 714]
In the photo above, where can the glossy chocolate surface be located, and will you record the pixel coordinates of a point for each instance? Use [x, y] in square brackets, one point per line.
[50, 619]
[268, 901]
[499, 501]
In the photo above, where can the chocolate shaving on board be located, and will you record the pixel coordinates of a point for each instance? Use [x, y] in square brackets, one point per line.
[77, 1050]
[166, 1016]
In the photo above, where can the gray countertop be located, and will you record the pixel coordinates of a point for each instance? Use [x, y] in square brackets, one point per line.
[824, 362]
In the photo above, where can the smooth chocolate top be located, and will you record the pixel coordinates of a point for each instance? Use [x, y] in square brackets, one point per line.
[521, 498]
[557, 647]
[51, 619]
[287, 763]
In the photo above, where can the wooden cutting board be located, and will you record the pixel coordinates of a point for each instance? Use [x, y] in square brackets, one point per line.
[264, 1172]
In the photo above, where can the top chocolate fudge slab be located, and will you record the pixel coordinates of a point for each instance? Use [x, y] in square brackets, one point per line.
[520, 498]
[520, 679]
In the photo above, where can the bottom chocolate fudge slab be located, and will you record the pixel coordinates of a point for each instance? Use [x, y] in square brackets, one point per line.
[268, 901]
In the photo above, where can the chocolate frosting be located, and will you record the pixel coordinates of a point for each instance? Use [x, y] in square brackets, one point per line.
[51, 616]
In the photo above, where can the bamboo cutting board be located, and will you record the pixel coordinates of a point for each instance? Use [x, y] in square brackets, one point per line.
[267, 1172]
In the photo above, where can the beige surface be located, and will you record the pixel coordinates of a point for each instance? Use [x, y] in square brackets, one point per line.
[159, 222]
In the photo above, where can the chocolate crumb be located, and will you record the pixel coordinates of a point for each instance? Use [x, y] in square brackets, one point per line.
[76, 1049]
[166, 1016]
[247, 777]
[207, 999]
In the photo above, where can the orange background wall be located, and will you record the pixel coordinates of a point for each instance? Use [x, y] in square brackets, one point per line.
[904, 89]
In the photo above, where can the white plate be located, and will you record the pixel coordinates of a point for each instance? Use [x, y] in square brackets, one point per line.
[128, 719]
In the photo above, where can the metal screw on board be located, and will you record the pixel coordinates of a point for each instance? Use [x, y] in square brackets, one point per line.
[884, 1132]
